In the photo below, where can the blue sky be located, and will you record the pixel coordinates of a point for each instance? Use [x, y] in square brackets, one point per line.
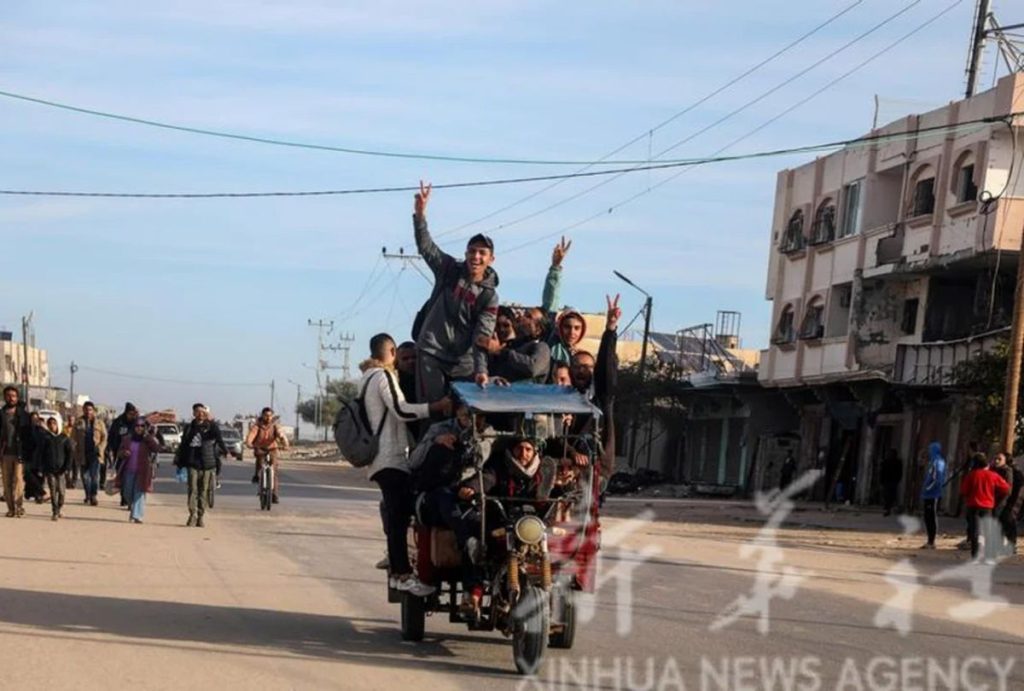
[221, 290]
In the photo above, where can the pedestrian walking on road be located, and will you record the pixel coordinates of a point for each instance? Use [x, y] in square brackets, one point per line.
[931, 491]
[891, 475]
[69, 431]
[135, 471]
[120, 429]
[15, 447]
[1007, 512]
[90, 447]
[982, 489]
[198, 453]
[35, 484]
[53, 457]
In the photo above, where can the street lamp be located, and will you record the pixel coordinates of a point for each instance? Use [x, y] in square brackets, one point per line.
[298, 402]
[648, 304]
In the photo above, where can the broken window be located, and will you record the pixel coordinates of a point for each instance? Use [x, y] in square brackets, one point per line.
[813, 325]
[824, 229]
[793, 240]
[851, 209]
[923, 201]
[966, 190]
[909, 322]
[784, 330]
[838, 323]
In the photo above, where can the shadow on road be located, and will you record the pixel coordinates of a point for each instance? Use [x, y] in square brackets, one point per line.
[198, 627]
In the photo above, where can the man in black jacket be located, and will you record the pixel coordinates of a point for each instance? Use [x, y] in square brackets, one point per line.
[198, 452]
[16, 447]
[53, 458]
[454, 326]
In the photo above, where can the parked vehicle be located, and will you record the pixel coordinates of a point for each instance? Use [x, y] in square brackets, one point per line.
[233, 440]
[537, 554]
[169, 436]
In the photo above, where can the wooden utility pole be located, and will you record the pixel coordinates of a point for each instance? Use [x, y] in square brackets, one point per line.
[1008, 431]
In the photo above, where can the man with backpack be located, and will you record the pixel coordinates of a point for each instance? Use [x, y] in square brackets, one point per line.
[454, 326]
[383, 409]
[264, 438]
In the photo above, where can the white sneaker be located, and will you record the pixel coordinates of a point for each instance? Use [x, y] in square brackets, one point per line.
[414, 586]
[383, 563]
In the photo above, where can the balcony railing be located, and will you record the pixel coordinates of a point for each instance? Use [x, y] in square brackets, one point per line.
[932, 364]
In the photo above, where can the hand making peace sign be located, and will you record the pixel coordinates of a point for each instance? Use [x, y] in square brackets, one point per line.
[561, 249]
[614, 313]
[422, 197]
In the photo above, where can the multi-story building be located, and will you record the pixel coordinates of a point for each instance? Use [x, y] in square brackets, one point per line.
[14, 367]
[891, 261]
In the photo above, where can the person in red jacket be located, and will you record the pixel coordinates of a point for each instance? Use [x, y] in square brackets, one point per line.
[981, 490]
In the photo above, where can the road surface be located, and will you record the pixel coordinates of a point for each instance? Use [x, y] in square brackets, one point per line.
[290, 599]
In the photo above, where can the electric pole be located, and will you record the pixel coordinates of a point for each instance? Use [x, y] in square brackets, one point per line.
[271, 394]
[298, 402]
[345, 342]
[25, 323]
[978, 36]
[71, 393]
[320, 324]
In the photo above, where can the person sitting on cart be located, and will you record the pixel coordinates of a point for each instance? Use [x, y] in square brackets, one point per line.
[446, 455]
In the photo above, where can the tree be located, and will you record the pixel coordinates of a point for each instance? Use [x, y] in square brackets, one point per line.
[983, 378]
[337, 391]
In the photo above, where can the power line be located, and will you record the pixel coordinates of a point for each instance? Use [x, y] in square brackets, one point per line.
[907, 134]
[716, 123]
[164, 380]
[664, 123]
[307, 145]
[771, 153]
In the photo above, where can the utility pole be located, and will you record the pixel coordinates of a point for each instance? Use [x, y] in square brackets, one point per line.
[271, 394]
[407, 260]
[345, 342]
[1008, 431]
[635, 426]
[648, 305]
[978, 36]
[298, 402]
[25, 322]
[320, 324]
[71, 393]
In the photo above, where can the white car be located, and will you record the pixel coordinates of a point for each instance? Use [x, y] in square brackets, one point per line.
[47, 414]
[169, 435]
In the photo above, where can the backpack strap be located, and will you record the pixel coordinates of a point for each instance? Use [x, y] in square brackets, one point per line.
[362, 406]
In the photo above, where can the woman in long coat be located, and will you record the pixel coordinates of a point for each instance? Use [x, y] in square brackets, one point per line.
[135, 474]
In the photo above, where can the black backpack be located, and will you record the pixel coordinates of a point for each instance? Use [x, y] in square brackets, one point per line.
[356, 439]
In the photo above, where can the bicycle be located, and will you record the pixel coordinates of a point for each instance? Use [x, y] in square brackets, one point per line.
[266, 487]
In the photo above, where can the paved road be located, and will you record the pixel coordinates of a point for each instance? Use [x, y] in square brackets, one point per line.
[290, 600]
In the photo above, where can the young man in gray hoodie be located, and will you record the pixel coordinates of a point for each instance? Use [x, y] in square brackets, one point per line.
[455, 324]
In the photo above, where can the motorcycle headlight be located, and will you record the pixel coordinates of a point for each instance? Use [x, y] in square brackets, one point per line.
[530, 530]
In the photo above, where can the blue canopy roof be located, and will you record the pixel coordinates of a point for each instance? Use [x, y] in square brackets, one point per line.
[524, 397]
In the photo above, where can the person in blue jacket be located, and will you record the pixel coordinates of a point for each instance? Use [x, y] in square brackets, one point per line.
[931, 491]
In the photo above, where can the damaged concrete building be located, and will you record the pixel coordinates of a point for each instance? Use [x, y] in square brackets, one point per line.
[893, 260]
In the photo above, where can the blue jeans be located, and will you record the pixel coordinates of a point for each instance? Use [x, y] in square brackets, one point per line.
[134, 495]
[91, 479]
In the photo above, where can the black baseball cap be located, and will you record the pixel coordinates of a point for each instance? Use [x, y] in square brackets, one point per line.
[481, 239]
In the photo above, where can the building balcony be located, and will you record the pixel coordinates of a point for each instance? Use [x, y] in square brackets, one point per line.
[933, 364]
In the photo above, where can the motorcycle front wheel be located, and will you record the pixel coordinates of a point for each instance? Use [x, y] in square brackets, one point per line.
[531, 620]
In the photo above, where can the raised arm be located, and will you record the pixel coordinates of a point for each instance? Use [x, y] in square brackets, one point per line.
[553, 281]
[428, 249]
[606, 369]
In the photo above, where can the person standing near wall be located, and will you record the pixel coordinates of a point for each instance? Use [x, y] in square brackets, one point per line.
[931, 491]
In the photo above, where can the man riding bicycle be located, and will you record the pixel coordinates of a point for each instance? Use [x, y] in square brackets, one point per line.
[265, 439]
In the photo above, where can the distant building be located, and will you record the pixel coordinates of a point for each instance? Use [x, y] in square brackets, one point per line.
[891, 262]
[13, 368]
